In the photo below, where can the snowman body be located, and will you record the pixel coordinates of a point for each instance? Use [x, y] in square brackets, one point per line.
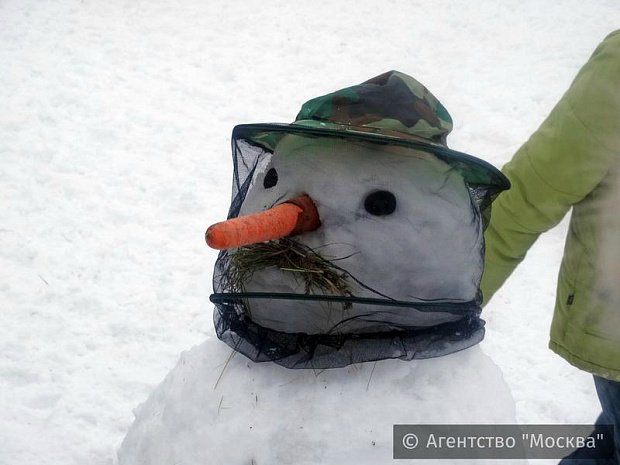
[401, 223]
[211, 409]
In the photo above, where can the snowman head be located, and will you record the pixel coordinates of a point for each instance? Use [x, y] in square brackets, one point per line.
[393, 254]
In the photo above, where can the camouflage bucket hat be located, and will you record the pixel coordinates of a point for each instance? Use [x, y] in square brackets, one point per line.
[392, 108]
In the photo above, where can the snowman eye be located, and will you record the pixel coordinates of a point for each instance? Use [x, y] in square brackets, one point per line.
[380, 203]
[271, 178]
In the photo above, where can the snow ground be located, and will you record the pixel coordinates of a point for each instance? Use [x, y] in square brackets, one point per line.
[114, 157]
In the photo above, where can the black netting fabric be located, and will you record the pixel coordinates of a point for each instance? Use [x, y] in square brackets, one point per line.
[390, 280]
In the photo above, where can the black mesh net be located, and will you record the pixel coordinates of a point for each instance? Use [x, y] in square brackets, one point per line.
[393, 271]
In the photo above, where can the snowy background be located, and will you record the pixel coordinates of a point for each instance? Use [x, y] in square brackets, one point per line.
[115, 157]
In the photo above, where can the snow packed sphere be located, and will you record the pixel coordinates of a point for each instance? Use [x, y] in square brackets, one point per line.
[217, 409]
[399, 221]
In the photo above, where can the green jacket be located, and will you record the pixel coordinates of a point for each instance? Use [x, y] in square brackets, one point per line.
[568, 162]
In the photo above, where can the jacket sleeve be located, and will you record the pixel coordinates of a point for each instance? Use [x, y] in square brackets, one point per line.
[563, 161]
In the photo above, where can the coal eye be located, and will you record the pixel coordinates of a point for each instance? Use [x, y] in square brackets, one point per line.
[380, 203]
[271, 178]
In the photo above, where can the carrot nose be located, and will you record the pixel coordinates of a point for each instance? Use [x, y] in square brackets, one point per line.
[292, 217]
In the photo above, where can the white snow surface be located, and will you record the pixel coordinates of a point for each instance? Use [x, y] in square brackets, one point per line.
[115, 157]
[214, 409]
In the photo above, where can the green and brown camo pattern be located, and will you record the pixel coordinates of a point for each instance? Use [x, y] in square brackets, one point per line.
[392, 102]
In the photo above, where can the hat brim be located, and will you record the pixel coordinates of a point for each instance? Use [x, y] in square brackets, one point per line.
[476, 172]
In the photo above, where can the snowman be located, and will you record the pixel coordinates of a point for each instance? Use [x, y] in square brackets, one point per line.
[355, 235]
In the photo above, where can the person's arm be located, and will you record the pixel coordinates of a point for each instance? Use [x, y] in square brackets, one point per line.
[558, 166]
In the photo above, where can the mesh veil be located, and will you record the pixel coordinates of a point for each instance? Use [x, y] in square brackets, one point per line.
[389, 338]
